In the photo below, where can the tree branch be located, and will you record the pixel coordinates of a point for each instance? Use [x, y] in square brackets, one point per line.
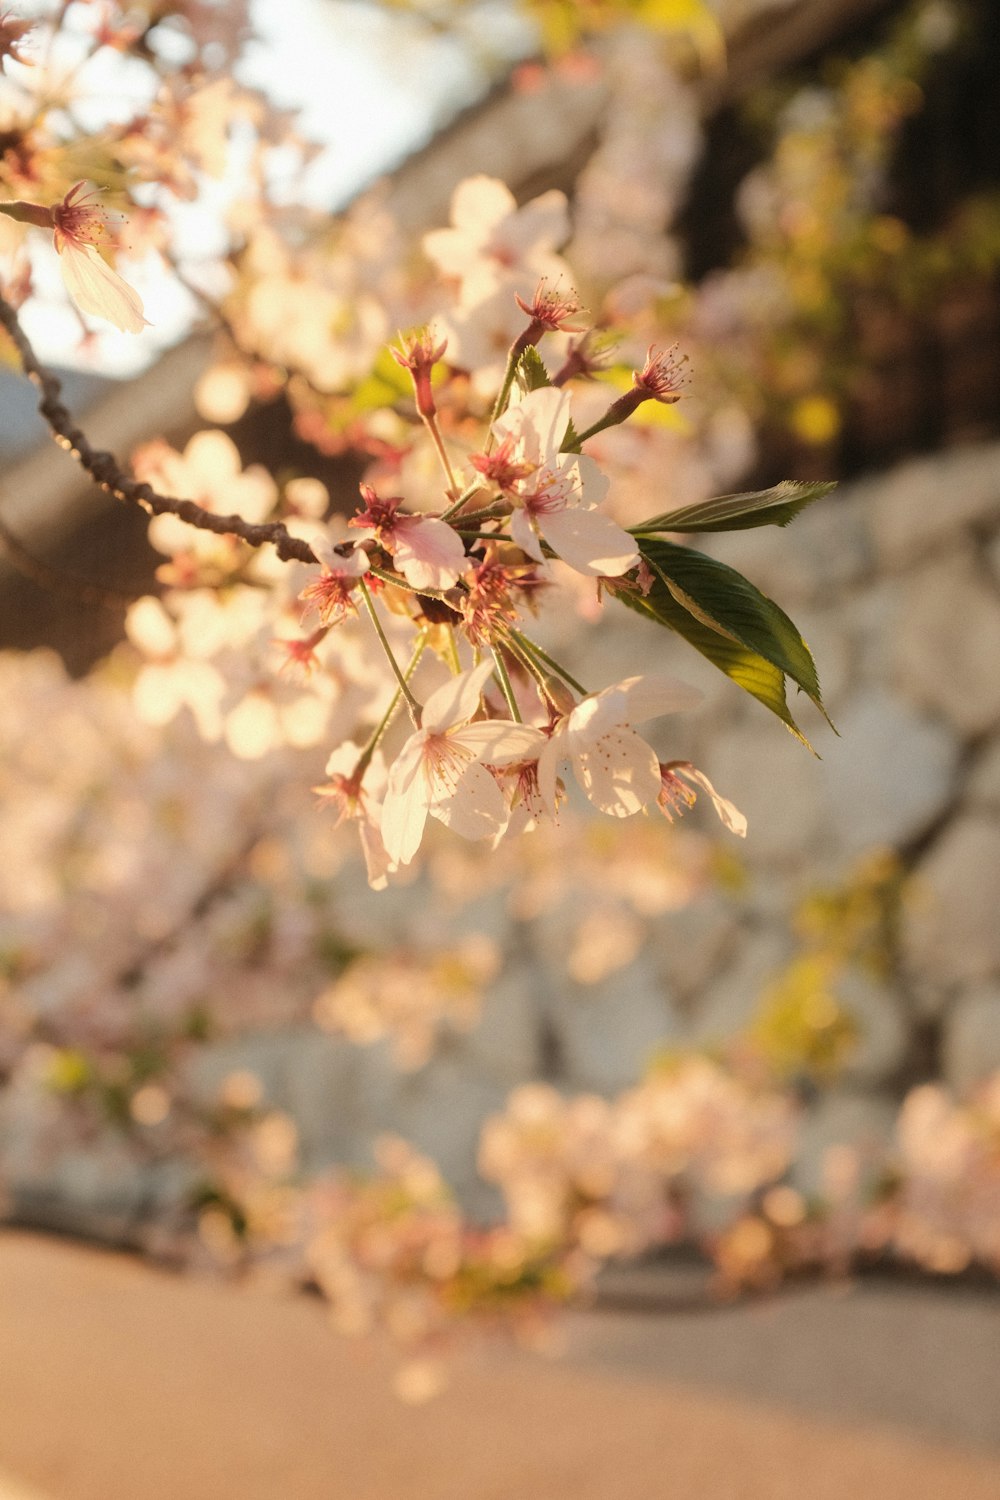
[105, 470]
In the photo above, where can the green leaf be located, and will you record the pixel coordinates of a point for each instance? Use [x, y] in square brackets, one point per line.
[774, 507]
[384, 385]
[748, 670]
[736, 627]
[531, 372]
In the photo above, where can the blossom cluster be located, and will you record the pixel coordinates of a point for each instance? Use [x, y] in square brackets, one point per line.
[495, 718]
[697, 1154]
[484, 510]
[162, 899]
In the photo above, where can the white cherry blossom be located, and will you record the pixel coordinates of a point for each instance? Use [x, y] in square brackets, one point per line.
[492, 240]
[425, 549]
[616, 768]
[555, 493]
[440, 769]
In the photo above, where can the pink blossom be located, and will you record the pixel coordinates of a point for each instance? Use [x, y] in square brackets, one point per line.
[490, 233]
[421, 351]
[351, 799]
[331, 593]
[428, 553]
[674, 796]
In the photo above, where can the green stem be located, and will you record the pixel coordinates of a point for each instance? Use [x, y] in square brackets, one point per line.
[495, 512]
[505, 683]
[398, 581]
[364, 759]
[540, 654]
[411, 702]
[517, 348]
[484, 536]
[539, 677]
[453, 657]
[432, 427]
[463, 499]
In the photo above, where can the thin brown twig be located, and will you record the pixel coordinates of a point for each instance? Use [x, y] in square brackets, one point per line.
[105, 470]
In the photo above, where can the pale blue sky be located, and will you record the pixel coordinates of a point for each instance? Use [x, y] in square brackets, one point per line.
[372, 84]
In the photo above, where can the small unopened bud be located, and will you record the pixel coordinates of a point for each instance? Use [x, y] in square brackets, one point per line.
[419, 354]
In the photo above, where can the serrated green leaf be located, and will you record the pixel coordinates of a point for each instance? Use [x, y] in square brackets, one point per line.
[748, 670]
[772, 507]
[531, 372]
[729, 603]
[731, 623]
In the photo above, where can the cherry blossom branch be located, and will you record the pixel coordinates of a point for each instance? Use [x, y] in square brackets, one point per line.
[105, 470]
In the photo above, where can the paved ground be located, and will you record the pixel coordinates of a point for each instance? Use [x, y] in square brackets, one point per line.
[119, 1382]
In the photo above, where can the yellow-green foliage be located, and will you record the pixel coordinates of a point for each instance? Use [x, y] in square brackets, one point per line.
[803, 1026]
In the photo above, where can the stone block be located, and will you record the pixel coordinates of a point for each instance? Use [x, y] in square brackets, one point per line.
[777, 784]
[972, 1038]
[947, 645]
[730, 1002]
[605, 1034]
[982, 789]
[884, 1029]
[951, 930]
[862, 1122]
[923, 504]
[823, 554]
[889, 774]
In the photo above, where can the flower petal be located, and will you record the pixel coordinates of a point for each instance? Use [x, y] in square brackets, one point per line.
[524, 535]
[456, 700]
[729, 815]
[428, 553]
[404, 811]
[475, 807]
[480, 202]
[654, 693]
[619, 773]
[589, 541]
[548, 766]
[97, 289]
[499, 741]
